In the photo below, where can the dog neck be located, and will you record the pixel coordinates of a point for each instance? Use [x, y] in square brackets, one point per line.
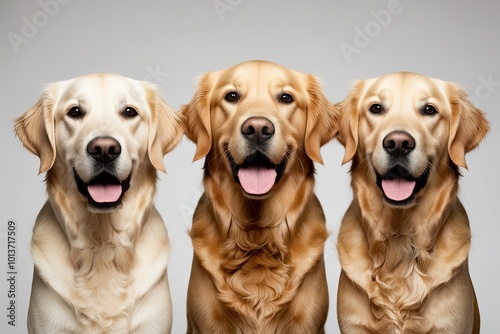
[95, 231]
[101, 251]
[253, 239]
[237, 212]
[419, 222]
[410, 250]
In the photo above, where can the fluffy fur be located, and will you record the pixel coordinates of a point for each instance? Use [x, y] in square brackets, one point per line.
[258, 259]
[99, 267]
[405, 263]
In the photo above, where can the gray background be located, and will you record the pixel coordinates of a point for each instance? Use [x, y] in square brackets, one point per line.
[171, 43]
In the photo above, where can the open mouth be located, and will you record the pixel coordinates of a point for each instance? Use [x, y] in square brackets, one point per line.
[399, 186]
[104, 191]
[257, 175]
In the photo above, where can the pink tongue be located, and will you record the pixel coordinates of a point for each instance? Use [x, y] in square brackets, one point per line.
[257, 180]
[105, 193]
[398, 189]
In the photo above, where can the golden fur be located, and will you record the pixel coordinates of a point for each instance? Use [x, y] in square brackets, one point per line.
[99, 269]
[258, 259]
[405, 264]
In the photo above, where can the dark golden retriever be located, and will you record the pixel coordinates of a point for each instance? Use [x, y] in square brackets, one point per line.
[404, 241]
[99, 245]
[258, 231]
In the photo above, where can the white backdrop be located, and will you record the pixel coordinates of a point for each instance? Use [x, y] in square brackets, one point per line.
[170, 43]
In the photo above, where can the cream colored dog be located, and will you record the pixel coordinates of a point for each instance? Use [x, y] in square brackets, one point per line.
[99, 246]
[404, 241]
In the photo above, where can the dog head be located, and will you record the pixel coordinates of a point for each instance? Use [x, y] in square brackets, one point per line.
[407, 127]
[256, 122]
[98, 131]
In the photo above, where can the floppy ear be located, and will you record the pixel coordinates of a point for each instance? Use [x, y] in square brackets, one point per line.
[348, 128]
[197, 117]
[165, 128]
[468, 126]
[35, 129]
[322, 120]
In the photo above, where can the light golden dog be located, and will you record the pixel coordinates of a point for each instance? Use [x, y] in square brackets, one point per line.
[258, 231]
[99, 246]
[404, 241]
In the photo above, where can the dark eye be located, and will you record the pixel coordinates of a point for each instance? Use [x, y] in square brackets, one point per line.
[429, 110]
[376, 108]
[232, 97]
[75, 112]
[286, 98]
[129, 112]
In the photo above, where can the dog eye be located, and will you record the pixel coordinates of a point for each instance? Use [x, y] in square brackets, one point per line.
[75, 112]
[286, 98]
[429, 110]
[376, 108]
[129, 112]
[232, 97]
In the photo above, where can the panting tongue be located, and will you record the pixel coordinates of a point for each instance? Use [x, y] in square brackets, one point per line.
[398, 189]
[105, 193]
[257, 180]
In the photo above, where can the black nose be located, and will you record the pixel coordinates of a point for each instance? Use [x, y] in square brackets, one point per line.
[257, 129]
[398, 143]
[104, 149]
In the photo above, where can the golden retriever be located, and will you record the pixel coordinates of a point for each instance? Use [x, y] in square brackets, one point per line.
[404, 241]
[258, 231]
[100, 248]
